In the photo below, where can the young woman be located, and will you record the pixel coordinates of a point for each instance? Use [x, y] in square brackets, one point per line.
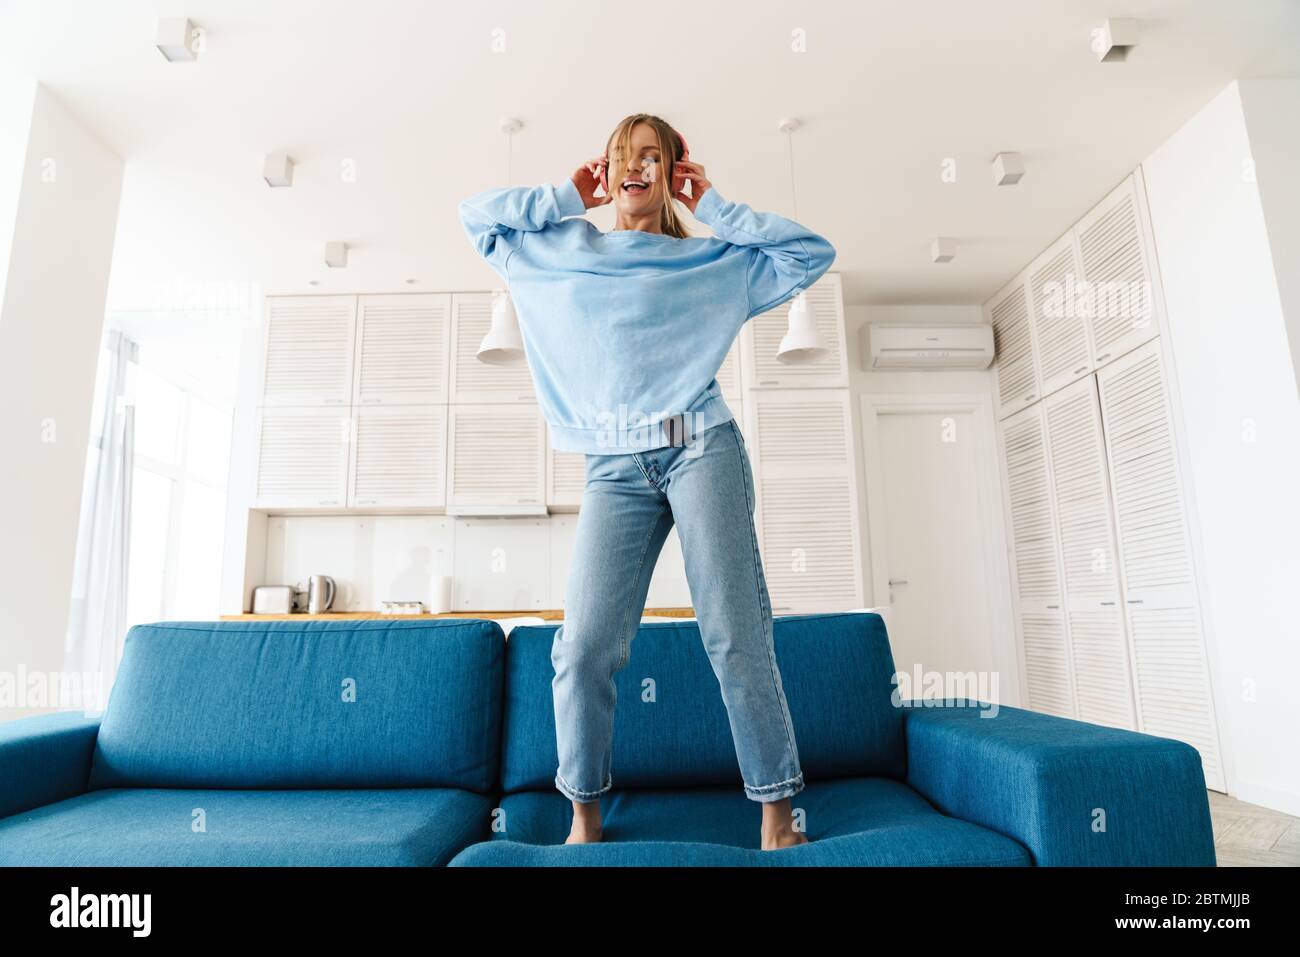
[624, 332]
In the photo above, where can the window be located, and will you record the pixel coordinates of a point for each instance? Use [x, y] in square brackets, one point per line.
[178, 498]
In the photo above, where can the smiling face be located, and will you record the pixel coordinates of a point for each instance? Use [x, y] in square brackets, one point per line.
[637, 181]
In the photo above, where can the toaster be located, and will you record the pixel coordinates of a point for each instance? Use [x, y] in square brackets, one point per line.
[272, 599]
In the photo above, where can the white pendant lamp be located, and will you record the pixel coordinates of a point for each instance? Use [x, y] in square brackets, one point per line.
[803, 341]
[503, 345]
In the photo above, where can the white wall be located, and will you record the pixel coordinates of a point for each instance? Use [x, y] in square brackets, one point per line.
[1236, 385]
[51, 319]
[17, 97]
[1272, 108]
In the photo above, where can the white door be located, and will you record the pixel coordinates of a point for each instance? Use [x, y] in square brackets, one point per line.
[936, 545]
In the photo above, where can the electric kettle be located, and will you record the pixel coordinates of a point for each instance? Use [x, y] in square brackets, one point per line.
[320, 594]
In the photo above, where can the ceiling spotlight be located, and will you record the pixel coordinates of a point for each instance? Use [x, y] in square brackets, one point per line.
[277, 169]
[943, 249]
[336, 255]
[1113, 39]
[177, 40]
[1007, 169]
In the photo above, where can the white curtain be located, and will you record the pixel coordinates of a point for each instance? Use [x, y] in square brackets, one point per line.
[97, 623]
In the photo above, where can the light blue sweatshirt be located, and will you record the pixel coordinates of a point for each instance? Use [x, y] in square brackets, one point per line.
[624, 329]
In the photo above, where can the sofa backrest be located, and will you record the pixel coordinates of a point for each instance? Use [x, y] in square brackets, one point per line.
[305, 704]
[836, 669]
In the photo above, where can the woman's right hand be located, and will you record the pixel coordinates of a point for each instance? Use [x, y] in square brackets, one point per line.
[587, 178]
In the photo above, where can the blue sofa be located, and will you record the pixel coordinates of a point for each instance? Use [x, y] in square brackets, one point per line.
[447, 756]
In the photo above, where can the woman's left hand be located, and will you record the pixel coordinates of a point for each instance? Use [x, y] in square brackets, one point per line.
[686, 170]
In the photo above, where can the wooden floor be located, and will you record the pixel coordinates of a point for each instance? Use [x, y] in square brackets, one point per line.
[1247, 835]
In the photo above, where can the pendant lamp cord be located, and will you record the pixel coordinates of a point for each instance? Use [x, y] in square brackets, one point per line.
[794, 201]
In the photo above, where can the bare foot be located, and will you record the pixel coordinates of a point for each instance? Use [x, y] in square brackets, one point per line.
[586, 823]
[775, 840]
[778, 827]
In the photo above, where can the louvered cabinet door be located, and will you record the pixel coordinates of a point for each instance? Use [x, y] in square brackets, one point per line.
[303, 457]
[566, 476]
[1098, 643]
[1039, 596]
[473, 381]
[308, 350]
[1060, 333]
[1116, 260]
[761, 336]
[402, 349]
[801, 452]
[399, 456]
[1161, 603]
[496, 457]
[1013, 343]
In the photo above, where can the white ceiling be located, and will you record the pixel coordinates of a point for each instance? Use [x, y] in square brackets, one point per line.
[411, 93]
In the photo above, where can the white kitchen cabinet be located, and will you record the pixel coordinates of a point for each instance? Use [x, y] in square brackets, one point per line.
[303, 457]
[474, 381]
[402, 348]
[496, 457]
[761, 336]
[308, 350]
[801, 449]
[398, 456]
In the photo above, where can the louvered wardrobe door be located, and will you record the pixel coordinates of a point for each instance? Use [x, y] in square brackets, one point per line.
[497, 456]
[303, 457]
[399, 456]
[402, 346]
[1039, 595]
[309, 344]
[1060, 333]
[1160, 595]
[1116, 263]
[1013, 345]
[1081, 492]
[566, 477]
[801, 451]
[471, 379]
[761, 336]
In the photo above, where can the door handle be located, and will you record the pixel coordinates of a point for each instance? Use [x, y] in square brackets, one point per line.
[898, 581]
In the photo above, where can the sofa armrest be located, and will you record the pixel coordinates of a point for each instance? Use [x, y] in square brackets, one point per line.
[44, 758]
[1074, 793]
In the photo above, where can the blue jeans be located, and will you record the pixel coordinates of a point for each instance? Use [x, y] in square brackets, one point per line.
[705, 484]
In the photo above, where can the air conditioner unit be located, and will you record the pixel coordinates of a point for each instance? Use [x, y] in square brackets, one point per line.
[964, 346]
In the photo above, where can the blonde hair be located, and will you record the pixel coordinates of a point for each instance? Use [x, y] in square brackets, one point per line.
[669, 146]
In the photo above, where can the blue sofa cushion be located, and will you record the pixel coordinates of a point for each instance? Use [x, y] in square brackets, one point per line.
[264, 704]
[869, 821]
[147, 827]
[837, 674]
